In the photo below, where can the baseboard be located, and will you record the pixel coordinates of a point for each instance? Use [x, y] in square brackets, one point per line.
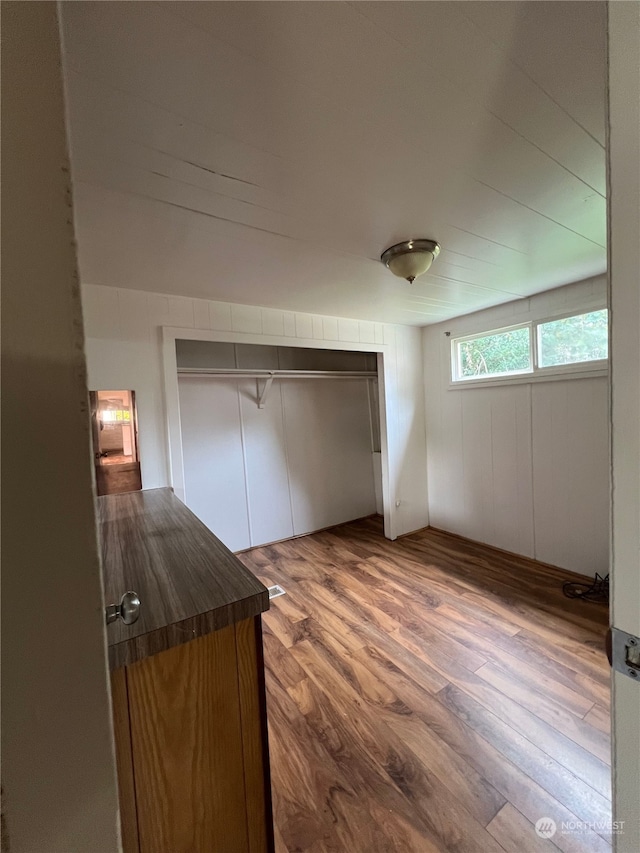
[565, 572]
[310, 533]
[417, 530]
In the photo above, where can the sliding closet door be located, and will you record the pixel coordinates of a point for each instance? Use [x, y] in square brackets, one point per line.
[267, 481]
[328, 435]
[214, 472]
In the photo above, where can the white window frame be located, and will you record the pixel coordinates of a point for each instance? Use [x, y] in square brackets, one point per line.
[455, 360]
[595, 363]
[577, 370]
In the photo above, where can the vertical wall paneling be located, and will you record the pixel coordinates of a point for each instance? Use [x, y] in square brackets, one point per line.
[511, 468]
[392, 523]
[304, 326]
[571, 491]
[376, 455]
[316, 328]
[286, 452]
[244, 318]
[409, 426]
[477, 460]
[329, 452]
[214, 469]
[181, 311]
[377, 482]
[301, 463]
[272, 322]
[289, 324]
[330, 329]
[521, 467]
[243, 444]
[266, 464]
[219, 316]
[201, 314]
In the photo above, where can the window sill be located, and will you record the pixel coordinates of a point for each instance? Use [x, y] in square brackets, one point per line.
[545, 374]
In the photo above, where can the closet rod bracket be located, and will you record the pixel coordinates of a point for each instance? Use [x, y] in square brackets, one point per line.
[262, 399]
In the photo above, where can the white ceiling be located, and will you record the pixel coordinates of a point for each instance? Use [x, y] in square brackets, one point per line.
[267, 152]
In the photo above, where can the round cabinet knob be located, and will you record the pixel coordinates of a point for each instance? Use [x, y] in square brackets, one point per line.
[128, 610]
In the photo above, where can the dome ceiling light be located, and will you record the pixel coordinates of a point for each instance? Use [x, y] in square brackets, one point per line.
[411, 258]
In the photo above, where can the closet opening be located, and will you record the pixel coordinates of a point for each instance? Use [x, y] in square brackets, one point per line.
[278, 441]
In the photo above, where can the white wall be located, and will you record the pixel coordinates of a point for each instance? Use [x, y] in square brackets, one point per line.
[523, 467]
[124, 350]
[58, 770]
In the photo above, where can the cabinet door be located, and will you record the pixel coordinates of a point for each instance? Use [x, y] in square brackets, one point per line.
[253, 712]
[186, 739]
[124, 762]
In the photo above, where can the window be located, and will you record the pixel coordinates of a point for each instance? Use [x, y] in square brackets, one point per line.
[573, 339]
[115, 416]
[561, 345]
[500, 353]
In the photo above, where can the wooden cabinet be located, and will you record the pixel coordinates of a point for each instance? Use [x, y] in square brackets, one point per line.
[191, 746]
[187, 681]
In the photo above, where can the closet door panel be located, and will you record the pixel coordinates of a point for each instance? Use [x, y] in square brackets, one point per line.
[328, 438]
[266, 463]
[214, 472]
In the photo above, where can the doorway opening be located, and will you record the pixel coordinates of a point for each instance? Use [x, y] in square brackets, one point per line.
[115, 442]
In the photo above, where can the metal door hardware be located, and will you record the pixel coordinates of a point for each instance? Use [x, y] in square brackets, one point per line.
[625, 653]
[128, 610]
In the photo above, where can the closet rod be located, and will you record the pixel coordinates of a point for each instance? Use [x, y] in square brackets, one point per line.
[239, 373]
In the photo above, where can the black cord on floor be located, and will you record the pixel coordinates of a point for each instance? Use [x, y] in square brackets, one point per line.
[597, 591]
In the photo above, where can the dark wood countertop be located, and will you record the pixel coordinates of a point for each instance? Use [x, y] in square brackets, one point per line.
[189, 583]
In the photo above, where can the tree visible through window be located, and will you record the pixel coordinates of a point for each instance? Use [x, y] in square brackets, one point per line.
[573, 339]
[493, 355]
[504, 352]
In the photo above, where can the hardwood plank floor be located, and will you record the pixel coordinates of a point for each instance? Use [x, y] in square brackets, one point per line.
[431, 694]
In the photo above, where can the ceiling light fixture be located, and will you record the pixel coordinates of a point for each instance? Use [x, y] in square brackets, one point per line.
[411, 258]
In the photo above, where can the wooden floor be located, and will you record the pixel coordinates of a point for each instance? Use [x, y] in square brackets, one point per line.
[431, 694]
